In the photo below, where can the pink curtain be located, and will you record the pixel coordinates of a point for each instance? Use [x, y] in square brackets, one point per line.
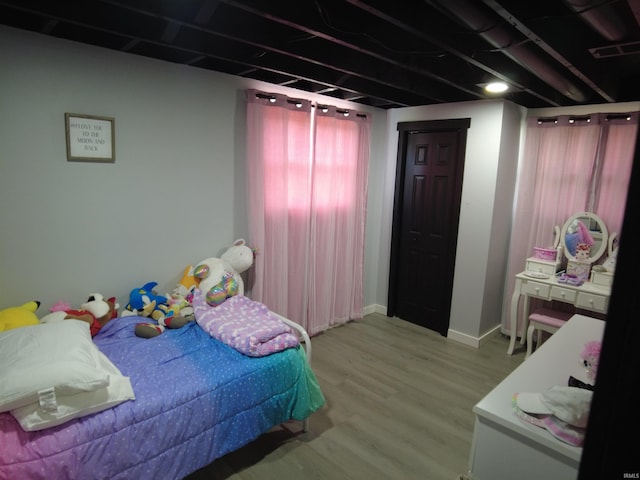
[278, 179]
[307, 183]
[570, 164]
[616, 170]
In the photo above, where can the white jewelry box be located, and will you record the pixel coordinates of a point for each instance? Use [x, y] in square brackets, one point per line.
[543, 266]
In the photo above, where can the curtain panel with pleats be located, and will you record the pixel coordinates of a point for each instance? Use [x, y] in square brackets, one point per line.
[570, 164]
[307, 171]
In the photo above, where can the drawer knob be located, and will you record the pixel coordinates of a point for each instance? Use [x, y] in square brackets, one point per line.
[591, 301]
[537, 290]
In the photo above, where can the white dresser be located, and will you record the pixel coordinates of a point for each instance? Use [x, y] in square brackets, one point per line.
[505, 447]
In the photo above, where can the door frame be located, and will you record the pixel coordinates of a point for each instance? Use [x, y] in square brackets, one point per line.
[404, 130]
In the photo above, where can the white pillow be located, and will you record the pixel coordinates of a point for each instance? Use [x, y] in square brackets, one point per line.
[34, 417]
[57, 359]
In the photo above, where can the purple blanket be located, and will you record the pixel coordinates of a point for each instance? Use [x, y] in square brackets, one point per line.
[244, 324]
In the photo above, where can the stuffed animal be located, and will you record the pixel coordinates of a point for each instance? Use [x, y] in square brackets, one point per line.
[583, 251]
[179, 299]
[590, 358]
[60, 306]
[188, 281]
[179, 306]
[19, 316]
[145, 302]
[96, 311]
[220, 277]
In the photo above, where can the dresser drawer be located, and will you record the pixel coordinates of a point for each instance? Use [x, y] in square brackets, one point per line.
[535, 289]
[591, 301]
[563, 294]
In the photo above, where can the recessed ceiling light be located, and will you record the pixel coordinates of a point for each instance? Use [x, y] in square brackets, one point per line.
[496, 87]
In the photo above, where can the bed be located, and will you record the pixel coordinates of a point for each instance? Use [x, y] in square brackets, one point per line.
[196, 399]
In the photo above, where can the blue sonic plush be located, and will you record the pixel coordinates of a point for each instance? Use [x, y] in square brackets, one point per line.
[144, 302]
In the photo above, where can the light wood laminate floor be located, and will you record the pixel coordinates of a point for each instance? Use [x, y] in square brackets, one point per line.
[399, 400]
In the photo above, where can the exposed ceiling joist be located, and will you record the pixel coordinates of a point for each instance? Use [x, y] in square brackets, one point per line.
[375, 52]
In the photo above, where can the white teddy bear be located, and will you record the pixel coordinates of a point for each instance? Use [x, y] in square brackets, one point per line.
[220, 277]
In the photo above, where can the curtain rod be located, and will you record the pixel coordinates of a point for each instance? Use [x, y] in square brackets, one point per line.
[547, 120]
[585, 118]
[572, 119]
[298, 103]
[618, 116]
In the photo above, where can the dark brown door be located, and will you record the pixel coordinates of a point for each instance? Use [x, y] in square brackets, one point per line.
[426, 214]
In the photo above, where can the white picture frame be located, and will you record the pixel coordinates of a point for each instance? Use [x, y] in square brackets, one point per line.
[90, 138]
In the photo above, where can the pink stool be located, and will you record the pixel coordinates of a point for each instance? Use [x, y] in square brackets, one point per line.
[547, 320]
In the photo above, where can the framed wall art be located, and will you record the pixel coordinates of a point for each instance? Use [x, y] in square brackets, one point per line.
[90, 138]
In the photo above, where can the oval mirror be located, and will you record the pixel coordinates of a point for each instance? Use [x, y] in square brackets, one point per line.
[585, 237]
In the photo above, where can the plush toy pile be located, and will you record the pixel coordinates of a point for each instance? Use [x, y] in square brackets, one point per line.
[96, 311]
[217, 278]
[168, 311]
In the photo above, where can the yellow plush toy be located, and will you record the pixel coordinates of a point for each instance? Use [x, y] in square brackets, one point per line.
[188, 281]
[20, 316]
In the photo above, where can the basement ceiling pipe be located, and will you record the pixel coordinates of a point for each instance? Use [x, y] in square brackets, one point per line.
[490, 28]
[603, 19]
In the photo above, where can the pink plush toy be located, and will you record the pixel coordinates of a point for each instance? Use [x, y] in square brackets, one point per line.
[590, 358]
[60, 306]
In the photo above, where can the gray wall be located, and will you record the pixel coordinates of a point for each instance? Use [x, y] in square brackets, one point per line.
[175, 194]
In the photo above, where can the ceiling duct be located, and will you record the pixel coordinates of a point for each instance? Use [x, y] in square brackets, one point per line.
[601, 17]
[502, 37]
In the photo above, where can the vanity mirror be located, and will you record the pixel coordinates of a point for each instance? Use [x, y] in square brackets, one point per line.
[584, 237]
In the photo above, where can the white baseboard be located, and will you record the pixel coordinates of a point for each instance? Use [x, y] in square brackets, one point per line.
[475, 342]
[375, 308]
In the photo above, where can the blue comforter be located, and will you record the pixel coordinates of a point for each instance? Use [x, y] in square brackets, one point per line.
[196, 400]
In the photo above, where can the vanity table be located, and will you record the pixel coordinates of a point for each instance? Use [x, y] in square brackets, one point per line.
[540, 280]
[588, 296]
